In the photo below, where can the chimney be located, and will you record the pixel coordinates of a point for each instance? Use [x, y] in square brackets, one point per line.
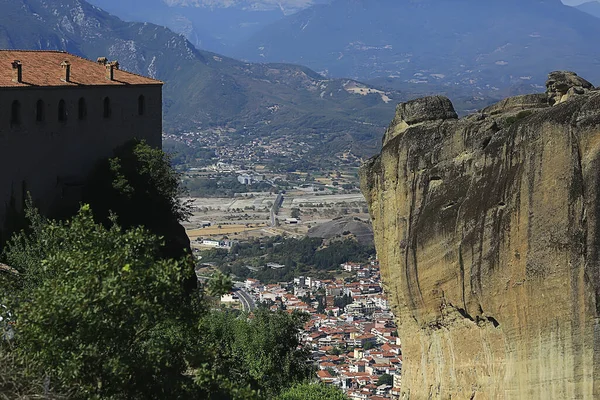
[110, 70]
[66, 66]
[102, 60]
[17, 71]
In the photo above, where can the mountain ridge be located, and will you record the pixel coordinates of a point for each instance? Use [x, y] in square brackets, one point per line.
[203, 89]
[209, 24]
[591, 7]
[473, 44]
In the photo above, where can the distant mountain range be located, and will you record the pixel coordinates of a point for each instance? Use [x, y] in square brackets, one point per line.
[215, 25]
[591, 7]
[203, 89]
[483, 45]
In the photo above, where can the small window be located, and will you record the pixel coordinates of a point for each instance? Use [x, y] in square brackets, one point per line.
[39, 111]
[82, 109]
[107, 110]
[62, 111]
[15, 113]
[141, 105]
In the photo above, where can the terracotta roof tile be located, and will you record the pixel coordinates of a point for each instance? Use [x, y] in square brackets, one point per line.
[43, 68]
[324, 374]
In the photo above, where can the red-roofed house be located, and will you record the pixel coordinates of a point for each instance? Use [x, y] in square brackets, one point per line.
[325, 376]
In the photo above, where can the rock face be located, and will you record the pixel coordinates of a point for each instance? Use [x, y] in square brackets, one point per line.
[488, 232]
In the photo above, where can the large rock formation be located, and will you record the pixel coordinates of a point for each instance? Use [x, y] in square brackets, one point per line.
[488, 233]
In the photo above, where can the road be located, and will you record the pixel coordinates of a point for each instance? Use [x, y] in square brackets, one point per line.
[248, 303]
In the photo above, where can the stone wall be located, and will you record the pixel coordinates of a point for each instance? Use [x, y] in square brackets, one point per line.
[488, 233]
[51, 158]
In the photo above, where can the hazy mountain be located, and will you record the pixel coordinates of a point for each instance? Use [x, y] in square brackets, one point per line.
[204, 89]
[591, 7]
[287, 6]
[214, 25]
[467, 43]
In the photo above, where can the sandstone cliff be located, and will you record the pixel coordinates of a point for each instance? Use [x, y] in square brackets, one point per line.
[488, 233]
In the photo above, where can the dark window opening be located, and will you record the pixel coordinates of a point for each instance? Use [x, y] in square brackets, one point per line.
[82, 109]
[15, 113]
[39, 111]
[107, 110]
[62, 111]
[141, 105]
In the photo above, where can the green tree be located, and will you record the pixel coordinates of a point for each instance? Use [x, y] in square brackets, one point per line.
[103, 315]
[368, 346]
[336, 351]
[104, 318]
[385, 379]
[107, 316]
[261, 351]
[219, 284]
[309, 391]
[139, 185]
[321, 305]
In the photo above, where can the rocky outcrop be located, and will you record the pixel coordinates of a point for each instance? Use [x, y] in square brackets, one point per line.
[419, 111]
[488, 233]
[562, 85]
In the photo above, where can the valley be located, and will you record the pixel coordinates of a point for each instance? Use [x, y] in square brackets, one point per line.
[252, 226]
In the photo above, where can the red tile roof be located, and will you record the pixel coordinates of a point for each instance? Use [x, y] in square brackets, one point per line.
[324, 374]
[43, 68]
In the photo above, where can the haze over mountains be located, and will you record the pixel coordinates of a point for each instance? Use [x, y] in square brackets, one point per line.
[215, 25]
[591, 7]
[472, 51]
[469, 43]
[205, 90]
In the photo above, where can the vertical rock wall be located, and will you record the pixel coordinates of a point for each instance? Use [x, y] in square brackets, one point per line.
[487, 233]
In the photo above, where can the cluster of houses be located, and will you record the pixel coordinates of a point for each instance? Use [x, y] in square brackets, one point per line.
[351, 333]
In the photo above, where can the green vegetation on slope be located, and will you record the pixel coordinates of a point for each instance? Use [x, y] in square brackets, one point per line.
[93, 310]
[299, 256]
[312, 392]
[98, 314]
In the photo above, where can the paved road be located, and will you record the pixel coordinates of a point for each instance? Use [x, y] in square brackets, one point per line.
[248, 303]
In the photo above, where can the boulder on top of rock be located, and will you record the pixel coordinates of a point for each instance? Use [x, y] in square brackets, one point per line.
[562, 85]
[430, 108]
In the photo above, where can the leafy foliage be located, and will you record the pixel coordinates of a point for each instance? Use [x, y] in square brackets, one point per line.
[106, 315]
[385, 379]
[16, 384]
[139, 185]
[307, 391]
[261, 351]
[299, 256]
[136, 182]
[342, 301]
[219, 284]
[101, 315]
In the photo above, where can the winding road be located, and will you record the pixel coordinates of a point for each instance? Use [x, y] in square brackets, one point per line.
[248, 303]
